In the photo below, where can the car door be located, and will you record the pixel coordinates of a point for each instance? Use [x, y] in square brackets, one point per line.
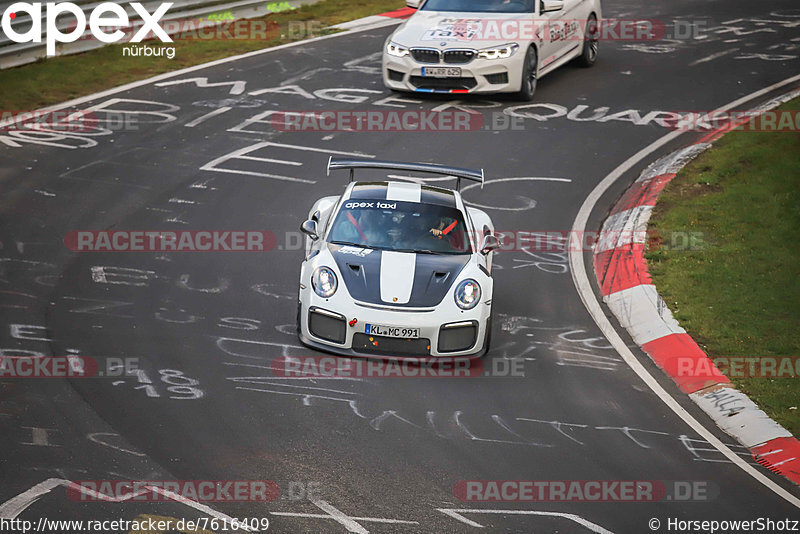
[573, 25]
[563, 30]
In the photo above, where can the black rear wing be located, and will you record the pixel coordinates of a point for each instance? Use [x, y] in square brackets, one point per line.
[455, 172]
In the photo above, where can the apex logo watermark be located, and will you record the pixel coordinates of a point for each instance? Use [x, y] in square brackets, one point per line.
[102, 18]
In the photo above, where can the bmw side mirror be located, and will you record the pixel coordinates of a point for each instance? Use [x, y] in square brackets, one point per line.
[310, 229]
[413, 4]
[490, 243]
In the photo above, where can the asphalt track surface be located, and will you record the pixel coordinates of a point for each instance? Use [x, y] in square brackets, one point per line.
[389, 449]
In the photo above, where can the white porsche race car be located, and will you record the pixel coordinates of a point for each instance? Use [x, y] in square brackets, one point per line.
[488, 46]
[397, 269]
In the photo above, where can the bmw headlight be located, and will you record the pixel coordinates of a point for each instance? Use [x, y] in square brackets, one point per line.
[500, 52]
[394, 49]
[467, 294]
[324, 282]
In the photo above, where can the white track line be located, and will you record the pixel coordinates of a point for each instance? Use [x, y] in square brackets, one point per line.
[456, 513]
[16, 505]
[198, 120]
[340, 517]
[713, 56]
[589, 299]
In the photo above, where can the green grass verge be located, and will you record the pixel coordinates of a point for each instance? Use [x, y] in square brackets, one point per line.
[738, 294]
[61, 78]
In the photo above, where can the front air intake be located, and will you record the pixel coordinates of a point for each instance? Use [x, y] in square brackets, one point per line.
[327, 325]
[456, 337]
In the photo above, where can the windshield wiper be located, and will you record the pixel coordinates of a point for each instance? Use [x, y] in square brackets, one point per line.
[410, 250]
[348, 244]
[417, 251]
[359, 245]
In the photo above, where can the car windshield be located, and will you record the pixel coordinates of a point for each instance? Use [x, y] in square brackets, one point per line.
[480, 6]
[400, 226]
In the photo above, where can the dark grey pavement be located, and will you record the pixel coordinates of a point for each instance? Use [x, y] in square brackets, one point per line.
[390, 449]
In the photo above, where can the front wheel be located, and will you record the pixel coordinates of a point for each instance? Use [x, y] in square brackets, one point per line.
[529, 73]
[591, 44]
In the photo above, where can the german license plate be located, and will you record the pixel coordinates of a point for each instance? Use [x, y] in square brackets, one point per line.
[391, 331]
[441, 72]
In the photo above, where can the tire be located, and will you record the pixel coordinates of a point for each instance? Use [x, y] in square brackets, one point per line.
[591, 44]
[529, 75]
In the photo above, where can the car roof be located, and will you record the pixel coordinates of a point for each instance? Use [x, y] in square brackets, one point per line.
[403, 191]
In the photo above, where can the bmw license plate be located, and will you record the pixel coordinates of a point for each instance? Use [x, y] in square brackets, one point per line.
[391, 331]
[441, 72]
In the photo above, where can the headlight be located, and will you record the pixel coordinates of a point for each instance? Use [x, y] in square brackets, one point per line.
[467, 294]
[396, 50]
[324, 282]
[500, 52]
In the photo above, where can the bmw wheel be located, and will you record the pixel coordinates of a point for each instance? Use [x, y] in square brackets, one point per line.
[529, 72]
[591, 43]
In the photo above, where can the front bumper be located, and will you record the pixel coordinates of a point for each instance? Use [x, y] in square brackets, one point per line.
[477, 76]
[325, 324]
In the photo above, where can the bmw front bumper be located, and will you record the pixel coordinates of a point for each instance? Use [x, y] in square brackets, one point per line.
[477, 76]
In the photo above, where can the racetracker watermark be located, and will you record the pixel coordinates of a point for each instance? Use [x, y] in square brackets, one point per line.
[399, 367]
[265, 240]
[377, 121]
[587, 241]
[208, 30]
[170, 490]
[57, 121]
[66, 121]
[740, 366]
[170, 241]
[140, 524]
[71, 366]
[750, 121]
[585, 490]
[555, 30]
[562, 240]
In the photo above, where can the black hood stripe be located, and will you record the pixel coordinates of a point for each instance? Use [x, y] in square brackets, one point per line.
[434, 275]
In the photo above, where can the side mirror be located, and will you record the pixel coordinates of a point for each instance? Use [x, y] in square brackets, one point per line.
[549, 6]
[413, 4]
[490, 243]
[310, 229]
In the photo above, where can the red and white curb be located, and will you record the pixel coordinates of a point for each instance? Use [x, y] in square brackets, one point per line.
[384, 19]
[624, 280]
